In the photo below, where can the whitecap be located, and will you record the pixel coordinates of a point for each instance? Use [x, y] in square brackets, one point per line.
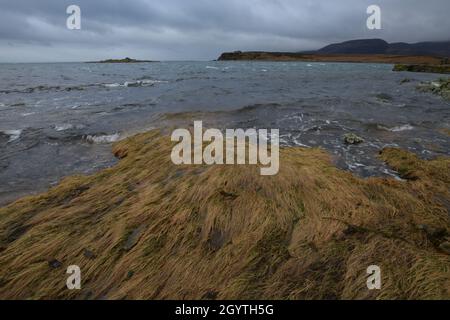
[300, 144]
[103, 138]
[405, 127]
[137, 83]
[210, 67]
[392, 174]
[13, 134]
[63, 127]
[112, 85]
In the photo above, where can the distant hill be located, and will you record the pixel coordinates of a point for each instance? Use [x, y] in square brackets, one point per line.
[379, 46]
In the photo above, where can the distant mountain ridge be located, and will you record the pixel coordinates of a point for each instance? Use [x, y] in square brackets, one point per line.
[379, 46]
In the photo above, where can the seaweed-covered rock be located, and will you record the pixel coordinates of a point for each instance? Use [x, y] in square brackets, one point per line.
[351, 138]
[440, 87]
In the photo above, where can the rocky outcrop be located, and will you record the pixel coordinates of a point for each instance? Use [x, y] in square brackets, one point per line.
[365, 50]
[440, 87]
[440, 68]
[355, 58]
[351, 138]
[126, 60]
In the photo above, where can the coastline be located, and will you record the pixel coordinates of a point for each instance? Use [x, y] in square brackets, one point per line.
[351, 58]
[261, 237]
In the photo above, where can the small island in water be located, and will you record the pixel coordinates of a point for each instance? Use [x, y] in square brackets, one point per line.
[125, 60]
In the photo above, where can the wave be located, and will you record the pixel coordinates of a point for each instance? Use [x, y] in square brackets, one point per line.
[45, 88]
[137, 83]
[12, 134]
[63, 127]
[101, 139]
[68, 126]
[405, 127]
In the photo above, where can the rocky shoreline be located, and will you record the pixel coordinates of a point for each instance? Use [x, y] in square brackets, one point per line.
[352, 58]
[438, 68]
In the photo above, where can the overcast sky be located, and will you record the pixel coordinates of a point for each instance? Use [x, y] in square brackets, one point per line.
[35, 30]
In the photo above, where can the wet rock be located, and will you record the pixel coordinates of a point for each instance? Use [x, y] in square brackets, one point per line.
[432, 232]
[133, 238]
[89, 254]
[216, 239]
[445, 246]
[440, 87]
[351, 138]
[54, 264]
[228, 195]
[210, 295]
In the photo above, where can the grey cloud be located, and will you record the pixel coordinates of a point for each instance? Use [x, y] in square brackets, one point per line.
[200, 29]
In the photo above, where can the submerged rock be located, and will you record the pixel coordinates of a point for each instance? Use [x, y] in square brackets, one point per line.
[351, 138]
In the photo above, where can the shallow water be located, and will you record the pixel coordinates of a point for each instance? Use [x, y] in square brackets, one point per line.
[60, 119]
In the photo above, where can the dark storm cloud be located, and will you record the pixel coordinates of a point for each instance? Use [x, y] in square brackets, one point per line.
[200, 29]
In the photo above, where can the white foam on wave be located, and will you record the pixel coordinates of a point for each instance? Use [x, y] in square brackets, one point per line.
[137, 83]
[68, 126]
[405, 127]
[103, 138]
[392, 174]
[112, 85]
[13, 134]
[211, 67]
[63, 127]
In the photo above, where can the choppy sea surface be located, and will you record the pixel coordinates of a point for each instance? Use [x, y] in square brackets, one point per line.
[60, 119]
